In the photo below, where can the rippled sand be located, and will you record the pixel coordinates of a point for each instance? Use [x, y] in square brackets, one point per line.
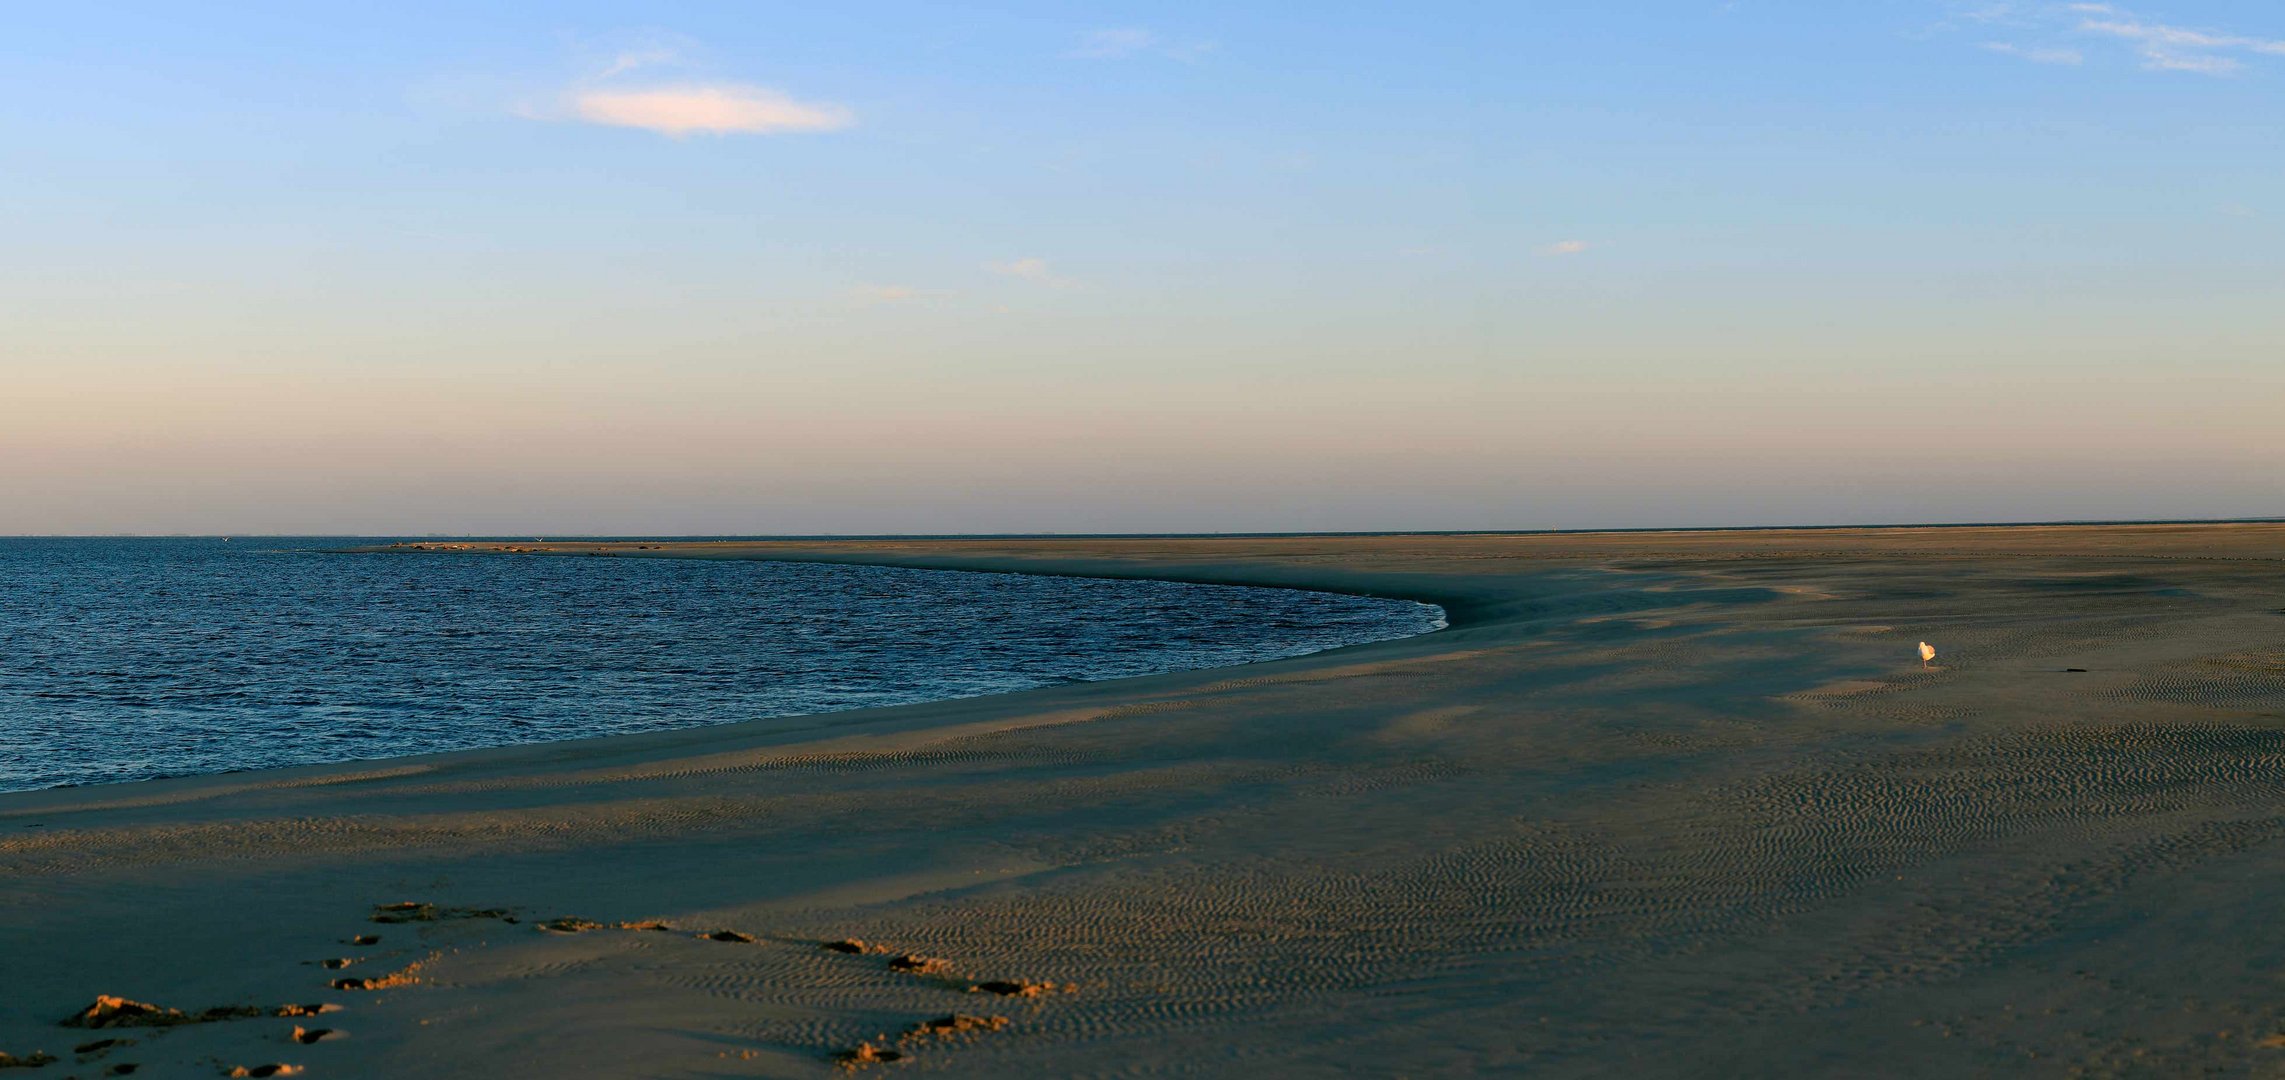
[1658, 804]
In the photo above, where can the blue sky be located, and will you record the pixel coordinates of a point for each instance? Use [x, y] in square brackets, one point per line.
[921, 267]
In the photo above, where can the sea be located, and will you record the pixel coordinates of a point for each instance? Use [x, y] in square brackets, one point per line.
[127, 659]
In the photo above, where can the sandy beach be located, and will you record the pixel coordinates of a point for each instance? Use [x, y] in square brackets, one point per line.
[1663, 804]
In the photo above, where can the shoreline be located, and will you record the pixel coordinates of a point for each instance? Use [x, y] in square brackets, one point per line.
[1688, 797]
[1438, 620]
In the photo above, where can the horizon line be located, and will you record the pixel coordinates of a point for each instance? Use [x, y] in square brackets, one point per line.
[1267, 534]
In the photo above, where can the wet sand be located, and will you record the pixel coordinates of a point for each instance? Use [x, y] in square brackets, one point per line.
[1657, 804]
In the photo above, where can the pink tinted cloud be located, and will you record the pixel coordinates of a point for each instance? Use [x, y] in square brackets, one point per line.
[716, 109]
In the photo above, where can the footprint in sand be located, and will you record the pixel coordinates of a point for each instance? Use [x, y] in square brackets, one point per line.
[572, 924]
[109, 1012]
[305, 1036]
[956, 1024]
[276, 1069]
[1018, 988]
[866, 1053]
[377, 982]
[99, 1047]
[914, 964]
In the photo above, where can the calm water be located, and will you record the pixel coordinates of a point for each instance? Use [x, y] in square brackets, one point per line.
[133, 659]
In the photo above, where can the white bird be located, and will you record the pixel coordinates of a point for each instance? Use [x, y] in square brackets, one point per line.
[1927, 653]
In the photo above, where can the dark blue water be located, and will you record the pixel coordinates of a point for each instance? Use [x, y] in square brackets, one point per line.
[137, 658]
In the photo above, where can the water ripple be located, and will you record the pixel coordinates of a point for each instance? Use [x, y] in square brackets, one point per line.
[133, 659]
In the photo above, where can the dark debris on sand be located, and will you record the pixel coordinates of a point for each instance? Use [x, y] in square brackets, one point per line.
[957, 1024]
[108, 1011]
[409, 911]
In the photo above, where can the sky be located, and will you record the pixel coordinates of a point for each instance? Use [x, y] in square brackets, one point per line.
[748, 268]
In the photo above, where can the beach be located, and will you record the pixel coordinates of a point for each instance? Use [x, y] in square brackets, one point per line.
[1659, 803]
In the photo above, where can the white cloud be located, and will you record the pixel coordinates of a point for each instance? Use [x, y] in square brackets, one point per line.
[2160, 46]
[1564, 247]
[2202, 64]
[2179, 48]
[618, 88]
[2158, 34]
[640, 57]
[1032, 269]
[2037, 54]
[707, 108]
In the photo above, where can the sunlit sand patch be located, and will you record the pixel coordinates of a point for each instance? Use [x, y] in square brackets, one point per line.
[1639, 622]
[1805, 592]
[1845, 688]
[1425, 723]
[1410, 666]
[359, 777]
[201, 794]
[892, 749]
[1141, 708]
